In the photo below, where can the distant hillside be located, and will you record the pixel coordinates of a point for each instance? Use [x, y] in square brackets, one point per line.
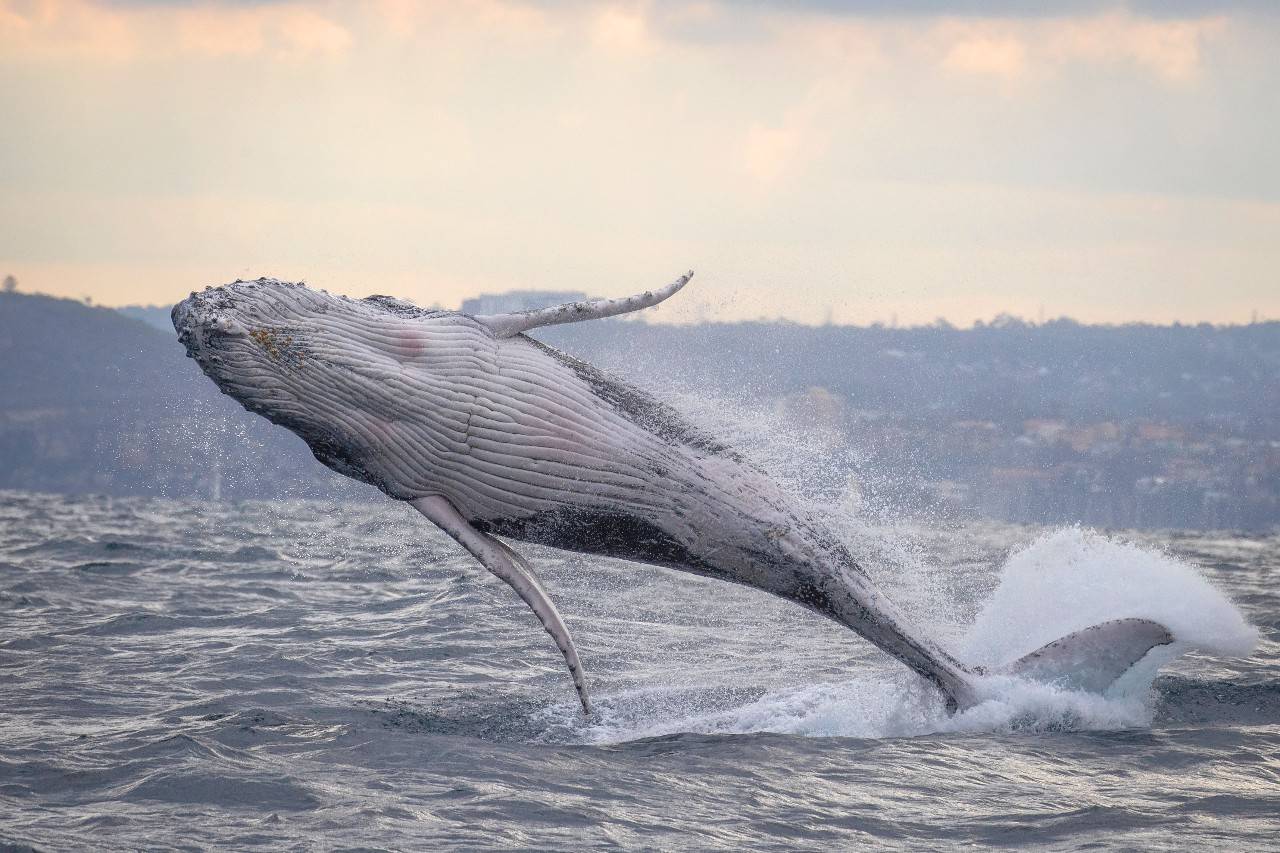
[156, 316]
[93, 401]
[1225, 378]
[1056, 422]
[1125, 426]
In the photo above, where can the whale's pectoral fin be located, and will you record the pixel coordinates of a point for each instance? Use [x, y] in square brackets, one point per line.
[506, 325]
[1094, 658]
[512, 568]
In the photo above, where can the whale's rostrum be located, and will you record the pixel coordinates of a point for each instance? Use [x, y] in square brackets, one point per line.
[489, 433]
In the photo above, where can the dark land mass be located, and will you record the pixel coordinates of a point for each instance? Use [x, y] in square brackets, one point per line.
[1135, 425]
[95, 401]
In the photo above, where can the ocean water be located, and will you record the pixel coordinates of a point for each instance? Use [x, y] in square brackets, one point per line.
[309, 675]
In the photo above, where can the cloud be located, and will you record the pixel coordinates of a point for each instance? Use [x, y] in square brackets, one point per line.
[999, 40]
[770, 152]
[507, 19]
[623, 30]
[48, 30]
[994, 39]
[1172, 49]
[1001, 55]
[1017, 8]
[501, 143]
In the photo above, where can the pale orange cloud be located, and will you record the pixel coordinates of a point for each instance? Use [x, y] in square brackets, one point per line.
[773, 153]
[770, 152]
[53, 29]
[438, 147]
[1001, 55]
[1172, 49]
[77, 29]
[623, 30]
[507, 19]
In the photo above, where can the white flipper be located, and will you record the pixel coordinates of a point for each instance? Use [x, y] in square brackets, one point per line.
[506, 325]
[495, 556]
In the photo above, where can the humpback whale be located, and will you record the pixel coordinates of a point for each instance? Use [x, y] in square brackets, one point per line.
[495, 437]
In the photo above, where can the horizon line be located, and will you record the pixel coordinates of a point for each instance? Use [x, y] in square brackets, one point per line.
[1001, 320]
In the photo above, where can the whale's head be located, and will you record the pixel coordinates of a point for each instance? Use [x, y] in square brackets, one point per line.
[242, 336]
[338, 372]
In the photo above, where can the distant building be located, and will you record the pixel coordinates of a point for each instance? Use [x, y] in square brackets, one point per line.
[1047, 431]
[519, 300]
[1061, 423]
[1159, 432]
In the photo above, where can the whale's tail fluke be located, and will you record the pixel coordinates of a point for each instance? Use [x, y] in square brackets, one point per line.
[1089, 660]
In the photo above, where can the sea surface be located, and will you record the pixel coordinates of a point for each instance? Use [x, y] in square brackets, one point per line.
[310, 675]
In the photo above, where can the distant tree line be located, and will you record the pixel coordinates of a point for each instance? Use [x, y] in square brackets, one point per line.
[1056, 421]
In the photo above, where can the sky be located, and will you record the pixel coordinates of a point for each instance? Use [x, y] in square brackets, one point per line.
[849, 162]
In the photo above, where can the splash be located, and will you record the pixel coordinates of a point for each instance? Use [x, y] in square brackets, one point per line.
[1063, 581]
[1072, 578]
[868, 707]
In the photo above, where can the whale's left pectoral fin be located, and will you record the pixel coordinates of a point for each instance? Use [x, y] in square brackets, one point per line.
[511, 568]
[506, 325]
[1091, 659]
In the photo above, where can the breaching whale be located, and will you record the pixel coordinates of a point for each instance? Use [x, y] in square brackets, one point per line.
[489, 433]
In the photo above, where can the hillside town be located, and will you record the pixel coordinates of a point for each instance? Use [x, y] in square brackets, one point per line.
[1057, 423]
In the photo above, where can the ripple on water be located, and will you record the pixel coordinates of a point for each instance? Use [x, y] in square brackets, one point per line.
[297, 675]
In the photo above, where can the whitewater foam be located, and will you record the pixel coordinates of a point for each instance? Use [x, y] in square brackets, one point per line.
[1071, 578]
[1061, 582]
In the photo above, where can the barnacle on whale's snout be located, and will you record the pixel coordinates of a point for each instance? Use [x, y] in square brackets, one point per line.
[266, 339]
[278, 344]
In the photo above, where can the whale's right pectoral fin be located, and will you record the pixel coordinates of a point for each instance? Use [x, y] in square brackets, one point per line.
[1091, 659]
[511, 568]
[506, 325]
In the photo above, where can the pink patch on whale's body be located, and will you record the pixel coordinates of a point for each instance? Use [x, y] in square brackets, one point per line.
[409, 344]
